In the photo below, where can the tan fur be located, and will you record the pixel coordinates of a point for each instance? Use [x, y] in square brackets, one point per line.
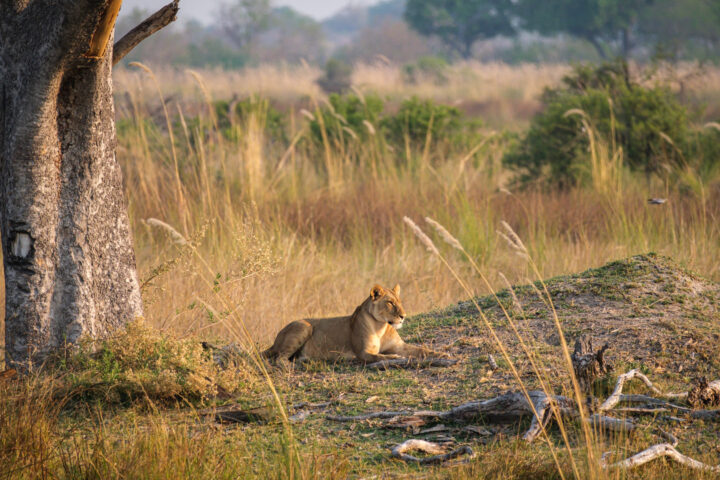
[369, 334]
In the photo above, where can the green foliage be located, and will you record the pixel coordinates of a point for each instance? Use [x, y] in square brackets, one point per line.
[141, 364]
[460, 23]
[337, 77]
[417, 118]
[648, 123]
[426, 68]
[346, 117]
[597, 21]
[274, 121]
[212, 52]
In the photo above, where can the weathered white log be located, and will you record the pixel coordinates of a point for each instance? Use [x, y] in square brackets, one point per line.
[439, 455]
[658, 451]
[614, 399]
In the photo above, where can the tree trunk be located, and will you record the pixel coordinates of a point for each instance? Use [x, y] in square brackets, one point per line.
[67, 251]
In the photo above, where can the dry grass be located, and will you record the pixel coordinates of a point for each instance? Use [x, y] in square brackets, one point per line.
[251, 233]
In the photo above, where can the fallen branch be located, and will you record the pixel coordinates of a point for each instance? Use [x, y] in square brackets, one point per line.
[506, 408]
[152, 24]
[411, 363]
[657, 451]
[438, 452]
[615, 398]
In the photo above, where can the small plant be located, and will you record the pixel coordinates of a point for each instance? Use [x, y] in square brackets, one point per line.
[337, 77]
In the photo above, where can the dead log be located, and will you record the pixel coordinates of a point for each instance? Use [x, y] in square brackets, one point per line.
[507, 408]
[428, 447]
[658, 451]
[617, 396]
[587, 364]
[704, 394]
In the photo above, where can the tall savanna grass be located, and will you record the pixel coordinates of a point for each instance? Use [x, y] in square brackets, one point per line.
[238, 230]
[299, 228]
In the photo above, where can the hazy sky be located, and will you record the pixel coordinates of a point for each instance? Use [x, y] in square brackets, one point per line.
[205, 10]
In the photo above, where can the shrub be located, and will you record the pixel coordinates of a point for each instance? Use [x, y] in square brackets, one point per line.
[273, 119]
[416, 117]
[337, 77]
[347, 117]
[648, 123]
[139, 363]
[426, 68]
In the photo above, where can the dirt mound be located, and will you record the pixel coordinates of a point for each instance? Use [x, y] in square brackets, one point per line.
[651, 312]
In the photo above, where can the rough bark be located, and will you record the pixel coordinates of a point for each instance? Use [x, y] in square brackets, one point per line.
[704, 394]
[67, 252]
[587, 364]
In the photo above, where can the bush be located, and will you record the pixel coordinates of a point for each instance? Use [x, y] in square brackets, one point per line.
[416, 117]
[141, 364]
[337, 77]
[347, 118]
[426, 68]
[273, 119]
[642, 119]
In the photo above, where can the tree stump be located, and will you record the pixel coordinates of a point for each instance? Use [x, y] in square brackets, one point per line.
[704, 394]
[588, 365]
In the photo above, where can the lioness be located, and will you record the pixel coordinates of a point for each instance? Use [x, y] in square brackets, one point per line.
[369, 334]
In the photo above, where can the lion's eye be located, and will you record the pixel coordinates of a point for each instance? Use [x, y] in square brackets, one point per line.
[389, 304]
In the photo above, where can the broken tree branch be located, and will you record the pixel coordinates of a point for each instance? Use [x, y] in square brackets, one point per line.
[152, 24]
[428, 447]
[411, 363]
[657, 451]
[103, 30]
[615, 398]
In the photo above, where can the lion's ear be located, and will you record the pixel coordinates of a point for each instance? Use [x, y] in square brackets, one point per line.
[396, 290]
[377, 292]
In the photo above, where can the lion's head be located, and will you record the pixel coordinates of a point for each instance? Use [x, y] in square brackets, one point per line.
[385, 306]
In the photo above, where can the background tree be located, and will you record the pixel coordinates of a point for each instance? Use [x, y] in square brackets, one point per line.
[682, 28]
[290, 36]
[600, 22]
[244, 20]
[67, 252]
[461, 23]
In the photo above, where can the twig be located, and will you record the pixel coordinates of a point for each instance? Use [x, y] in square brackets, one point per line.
[152, 24]
[428, 447]
[410, 363]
